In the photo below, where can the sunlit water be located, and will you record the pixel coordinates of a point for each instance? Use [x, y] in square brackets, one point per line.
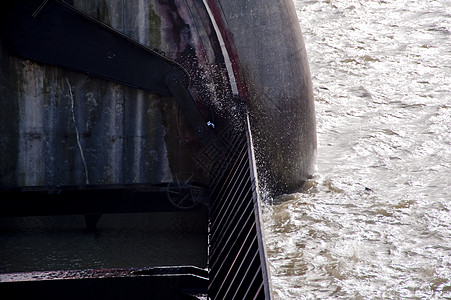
[375, 221]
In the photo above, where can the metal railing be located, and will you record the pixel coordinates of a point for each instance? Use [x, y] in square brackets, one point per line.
[237, 256]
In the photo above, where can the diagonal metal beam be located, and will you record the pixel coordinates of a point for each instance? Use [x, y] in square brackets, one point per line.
[55, 33]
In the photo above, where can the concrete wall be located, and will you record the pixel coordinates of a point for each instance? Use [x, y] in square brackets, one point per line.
[62, 128]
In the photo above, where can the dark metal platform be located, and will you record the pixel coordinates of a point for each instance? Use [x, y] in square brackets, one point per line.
[237, 263]
[101, 199]
[151, 283]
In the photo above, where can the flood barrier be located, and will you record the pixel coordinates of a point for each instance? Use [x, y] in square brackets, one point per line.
[236, 266]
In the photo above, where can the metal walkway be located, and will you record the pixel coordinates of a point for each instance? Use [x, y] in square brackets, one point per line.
[237, 263]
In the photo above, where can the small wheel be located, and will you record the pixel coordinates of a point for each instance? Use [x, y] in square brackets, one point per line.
[181, 194]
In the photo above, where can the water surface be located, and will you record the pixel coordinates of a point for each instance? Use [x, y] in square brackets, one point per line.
[375, 220]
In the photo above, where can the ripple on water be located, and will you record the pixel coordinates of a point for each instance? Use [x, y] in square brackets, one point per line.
[328, 242]
[374, 223]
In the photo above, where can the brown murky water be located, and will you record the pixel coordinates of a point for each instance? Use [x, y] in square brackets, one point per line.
[375, 221]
